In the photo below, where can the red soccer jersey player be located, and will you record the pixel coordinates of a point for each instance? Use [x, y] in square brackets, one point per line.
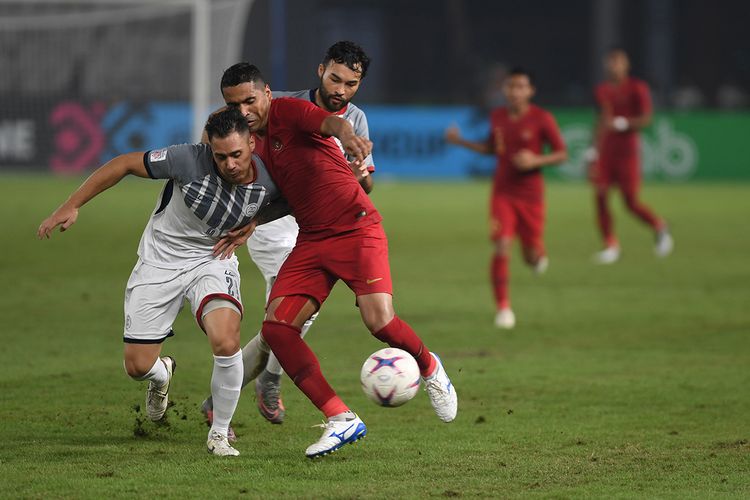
[624, 105]
[340, 237]
[519, 134]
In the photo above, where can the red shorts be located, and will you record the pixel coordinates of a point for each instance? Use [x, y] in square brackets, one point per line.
[358, 257]
[623, 171]
[511, 216]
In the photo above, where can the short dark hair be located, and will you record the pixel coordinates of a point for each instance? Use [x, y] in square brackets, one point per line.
[241, 72]
[521, 71]
[350, 54]
[224, 122]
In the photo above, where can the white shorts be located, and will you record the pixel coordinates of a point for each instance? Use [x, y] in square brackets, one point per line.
[155, 296]
[270, 245]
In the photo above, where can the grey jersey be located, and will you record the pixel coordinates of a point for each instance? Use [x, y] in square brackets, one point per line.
[352, 114]
[197, 206]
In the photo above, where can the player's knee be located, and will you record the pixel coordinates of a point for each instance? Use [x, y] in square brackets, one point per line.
[502, 247]
[375, 318]
[137, 368]
[226, 346]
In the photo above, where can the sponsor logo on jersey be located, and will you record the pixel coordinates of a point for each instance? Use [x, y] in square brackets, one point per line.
[276, 144]
[158, 155]
[373, 280]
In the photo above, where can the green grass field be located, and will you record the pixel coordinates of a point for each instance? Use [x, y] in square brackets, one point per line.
[624, 381]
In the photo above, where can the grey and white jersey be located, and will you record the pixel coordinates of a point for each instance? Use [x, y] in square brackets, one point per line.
[351, 113]
[197, 206]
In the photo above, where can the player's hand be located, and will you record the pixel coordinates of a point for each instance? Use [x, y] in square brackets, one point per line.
[526, 160]
[619, 124]
[359, 169]
[357, 147]
[63, 217]
[453, 134]
[225, 247]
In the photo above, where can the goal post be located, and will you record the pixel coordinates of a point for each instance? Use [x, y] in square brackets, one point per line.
[83, 80]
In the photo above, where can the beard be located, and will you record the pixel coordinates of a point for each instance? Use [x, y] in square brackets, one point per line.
[329, 101]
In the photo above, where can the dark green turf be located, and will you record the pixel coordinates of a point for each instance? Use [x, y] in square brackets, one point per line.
[624, 381]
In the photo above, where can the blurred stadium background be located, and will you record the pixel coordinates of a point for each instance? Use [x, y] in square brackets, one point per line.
[626, 381]
[83, 81]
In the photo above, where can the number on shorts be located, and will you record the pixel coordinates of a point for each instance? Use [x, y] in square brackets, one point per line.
[231, 287]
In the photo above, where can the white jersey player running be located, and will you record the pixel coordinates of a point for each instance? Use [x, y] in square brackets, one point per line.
[210, 190]
[341, 72]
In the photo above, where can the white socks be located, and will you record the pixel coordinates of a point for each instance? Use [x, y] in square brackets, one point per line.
[158, 374]
[226, 383]
[273, 366]
[254, 358]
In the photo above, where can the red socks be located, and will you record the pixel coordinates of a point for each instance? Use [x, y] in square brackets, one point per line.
[499, 280]
[604, 219]
[642, 211]
[300, 363]
[399, 334]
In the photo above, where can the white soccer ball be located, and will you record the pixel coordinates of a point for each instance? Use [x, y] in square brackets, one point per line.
[390, 377]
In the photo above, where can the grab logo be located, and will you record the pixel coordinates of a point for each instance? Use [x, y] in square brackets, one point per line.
[665, 152]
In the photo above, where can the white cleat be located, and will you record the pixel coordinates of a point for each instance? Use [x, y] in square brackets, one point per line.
[541, 266]
[609, 255]
[505, 319]
[442, 394]
[157, 397]
[337, 433]
[664, 243]
[218, 444]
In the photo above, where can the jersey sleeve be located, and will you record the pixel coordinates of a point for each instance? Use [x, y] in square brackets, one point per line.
[183, 162]
[362, 129]
[551, 133]
[304, 115]
[643, 99]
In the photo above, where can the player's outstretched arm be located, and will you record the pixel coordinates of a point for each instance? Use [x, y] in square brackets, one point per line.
[102, 179]
[453, 136]
[354, 145]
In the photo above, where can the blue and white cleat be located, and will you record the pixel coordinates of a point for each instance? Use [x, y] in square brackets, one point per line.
[337, 433]
[442, 394]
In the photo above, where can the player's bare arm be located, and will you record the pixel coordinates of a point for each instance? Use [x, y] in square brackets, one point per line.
[453, 136]
[527, 160]
[102, 179]
[354, 145]
[225, 247]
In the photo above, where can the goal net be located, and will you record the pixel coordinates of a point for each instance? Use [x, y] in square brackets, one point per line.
[85, 80]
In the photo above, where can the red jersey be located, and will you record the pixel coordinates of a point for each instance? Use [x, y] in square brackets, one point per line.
[630, 99]
[311, 171]
[531, 131]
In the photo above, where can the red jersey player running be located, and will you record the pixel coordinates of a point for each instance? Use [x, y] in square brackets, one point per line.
[518, 134]
[340, 237]
[624, 106]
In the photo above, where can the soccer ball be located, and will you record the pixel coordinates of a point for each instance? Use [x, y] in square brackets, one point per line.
[390, 377]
